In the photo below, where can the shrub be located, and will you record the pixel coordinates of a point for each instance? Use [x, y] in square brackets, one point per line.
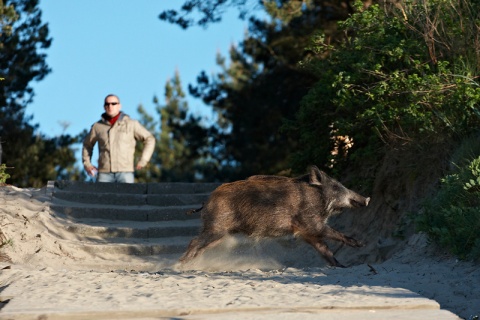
[3, 175]
[394, 81]
[452, 216]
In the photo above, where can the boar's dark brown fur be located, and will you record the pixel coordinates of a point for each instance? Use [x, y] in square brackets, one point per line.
[275, 206]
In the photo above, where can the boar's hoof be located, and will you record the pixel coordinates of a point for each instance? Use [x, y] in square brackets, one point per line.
[353, 243]
[337, 264]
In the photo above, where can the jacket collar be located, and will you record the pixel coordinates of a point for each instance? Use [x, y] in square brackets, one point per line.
[105, 118]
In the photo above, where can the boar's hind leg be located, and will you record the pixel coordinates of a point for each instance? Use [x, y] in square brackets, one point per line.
[333, 234]
[191, 250]
[199, 244]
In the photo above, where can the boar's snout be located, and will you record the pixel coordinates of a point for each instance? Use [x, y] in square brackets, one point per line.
[360, 202]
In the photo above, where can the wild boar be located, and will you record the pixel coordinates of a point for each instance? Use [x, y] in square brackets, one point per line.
[275, 206]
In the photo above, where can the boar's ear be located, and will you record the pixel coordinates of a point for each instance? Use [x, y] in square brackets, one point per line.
[316, 176]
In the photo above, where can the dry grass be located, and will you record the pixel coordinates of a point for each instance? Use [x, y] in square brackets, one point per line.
[3, 242]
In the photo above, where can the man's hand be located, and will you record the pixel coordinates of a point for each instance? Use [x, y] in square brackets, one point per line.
[92, 171]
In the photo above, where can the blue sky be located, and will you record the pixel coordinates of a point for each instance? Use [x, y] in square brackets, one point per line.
[122, 47]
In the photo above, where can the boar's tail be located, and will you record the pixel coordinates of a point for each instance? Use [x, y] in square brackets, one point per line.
[195, 210]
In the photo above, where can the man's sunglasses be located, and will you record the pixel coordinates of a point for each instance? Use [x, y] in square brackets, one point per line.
[111, 103]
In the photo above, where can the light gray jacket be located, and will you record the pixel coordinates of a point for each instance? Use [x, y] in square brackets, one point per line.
[116, 144]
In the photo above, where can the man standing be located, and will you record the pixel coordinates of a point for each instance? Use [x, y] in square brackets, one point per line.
[116, 134]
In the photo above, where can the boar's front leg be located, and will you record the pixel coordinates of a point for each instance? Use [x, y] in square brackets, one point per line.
[322, 248]
[315, 239]
[333, 234]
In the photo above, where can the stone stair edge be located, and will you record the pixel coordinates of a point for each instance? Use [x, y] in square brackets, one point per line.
[130, 246]
[60, 203]
[147, 235]
[122, 213]
[108, 223]
[160, 200]
[135, 188]
[144, 195]
[122, 241]
[135, 231]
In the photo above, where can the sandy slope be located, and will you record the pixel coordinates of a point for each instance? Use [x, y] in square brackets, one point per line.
[67, 274]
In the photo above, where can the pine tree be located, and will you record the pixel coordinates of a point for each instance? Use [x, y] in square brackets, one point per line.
[183, 151]
[173, 149]
[34, 158]
[253, 96]
[152, 171]
[260, 90]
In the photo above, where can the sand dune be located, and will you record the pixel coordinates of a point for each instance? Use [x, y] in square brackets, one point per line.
[50, 276]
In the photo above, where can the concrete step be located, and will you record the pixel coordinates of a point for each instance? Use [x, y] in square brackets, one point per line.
[130, 246]
[148, 220]
[77, 211]
[130, 199]
[108, 229]
[135, 188]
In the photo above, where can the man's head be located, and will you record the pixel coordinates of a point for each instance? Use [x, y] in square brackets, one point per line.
[112, 105]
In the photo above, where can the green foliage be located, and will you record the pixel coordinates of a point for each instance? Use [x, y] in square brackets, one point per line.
[260, 89]
[452, 216]
[204, 13]
[7, 17]
[3, 173]
[209, 11]
[401, 81]
[397, 82]
[384, 85]
[254, 95]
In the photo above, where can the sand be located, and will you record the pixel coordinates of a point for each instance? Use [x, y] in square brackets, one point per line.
[51, 276]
